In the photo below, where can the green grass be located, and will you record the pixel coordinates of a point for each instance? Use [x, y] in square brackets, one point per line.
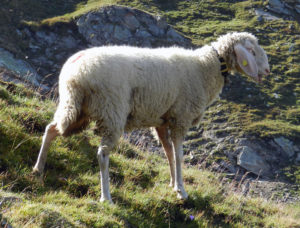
[70, 194]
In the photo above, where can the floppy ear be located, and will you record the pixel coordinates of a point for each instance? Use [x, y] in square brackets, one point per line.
[246, 60]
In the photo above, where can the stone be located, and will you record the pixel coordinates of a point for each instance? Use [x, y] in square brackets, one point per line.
[155, 30]
[20, 67]
[68, 41]
[252, 162]
[142, 34]
[278, 7]
[123, 25]
[263, 15]
[121, 33]
[297, 8]
[172, 34]
[131, 22]
[161, 23]
[286, 145]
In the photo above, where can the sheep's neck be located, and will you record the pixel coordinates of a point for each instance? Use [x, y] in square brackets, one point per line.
[224, 68]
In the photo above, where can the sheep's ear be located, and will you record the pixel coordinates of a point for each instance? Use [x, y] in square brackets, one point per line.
[246, 60]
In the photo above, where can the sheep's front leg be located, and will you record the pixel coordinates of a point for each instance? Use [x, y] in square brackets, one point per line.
[107, 144]
[178, 186]
[164, 138]
[50, 133]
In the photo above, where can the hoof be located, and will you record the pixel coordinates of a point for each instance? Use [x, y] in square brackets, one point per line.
[181, 193]
[182, 196]
[38, 175]
[104, 200]
[171, 184]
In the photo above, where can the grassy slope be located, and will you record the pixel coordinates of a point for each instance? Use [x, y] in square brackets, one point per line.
[69, 196]
[140, 191]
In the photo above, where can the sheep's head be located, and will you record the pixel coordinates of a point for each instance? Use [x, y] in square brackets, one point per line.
[243, 54]
[252, 60]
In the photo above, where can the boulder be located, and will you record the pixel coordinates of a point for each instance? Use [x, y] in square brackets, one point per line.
[124, 25]
[286, 8]
[252, 161]
[22, 70]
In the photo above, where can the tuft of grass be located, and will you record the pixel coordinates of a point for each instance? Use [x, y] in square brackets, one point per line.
[273, 128]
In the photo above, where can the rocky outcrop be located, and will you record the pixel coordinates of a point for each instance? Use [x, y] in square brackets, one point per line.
[288, 9]
[123, 25]
[21, 71]
[250, 160]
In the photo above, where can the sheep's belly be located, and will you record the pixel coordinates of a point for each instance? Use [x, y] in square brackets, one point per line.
[134, 122]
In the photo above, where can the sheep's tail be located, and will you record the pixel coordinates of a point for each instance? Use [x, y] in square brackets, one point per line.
[69, 109]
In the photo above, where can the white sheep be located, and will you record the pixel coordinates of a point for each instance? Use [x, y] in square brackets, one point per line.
[123, 88]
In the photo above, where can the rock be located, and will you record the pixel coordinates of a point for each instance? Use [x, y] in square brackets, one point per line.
[142, 34]
[123, 25]
[263, 15]
[278, 7]
[131, 22]
[228, 166]
[297, 8]
[252, 162]
[289, 8]
[286, 145]
[122, 34]
[21, 68]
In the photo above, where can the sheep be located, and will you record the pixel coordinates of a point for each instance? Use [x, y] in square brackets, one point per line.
[123, 88]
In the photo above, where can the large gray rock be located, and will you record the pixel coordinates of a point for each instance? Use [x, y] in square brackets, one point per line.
[22, 69]
[252, 161]
[123, 25]
[278, 6]
[286, 8]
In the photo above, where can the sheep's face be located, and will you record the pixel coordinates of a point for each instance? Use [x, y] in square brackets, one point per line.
[251, 60]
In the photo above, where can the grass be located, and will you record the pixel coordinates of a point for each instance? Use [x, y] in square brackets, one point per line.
[71, 190]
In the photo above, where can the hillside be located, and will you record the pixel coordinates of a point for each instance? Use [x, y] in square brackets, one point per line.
[70, 193]
[262, 120]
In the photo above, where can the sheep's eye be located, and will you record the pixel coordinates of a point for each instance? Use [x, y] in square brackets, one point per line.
[253, 53]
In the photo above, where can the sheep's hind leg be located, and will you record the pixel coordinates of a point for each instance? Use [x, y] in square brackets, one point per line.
[177, 139]
[50, 133]
[164, 137]
[107, 144]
